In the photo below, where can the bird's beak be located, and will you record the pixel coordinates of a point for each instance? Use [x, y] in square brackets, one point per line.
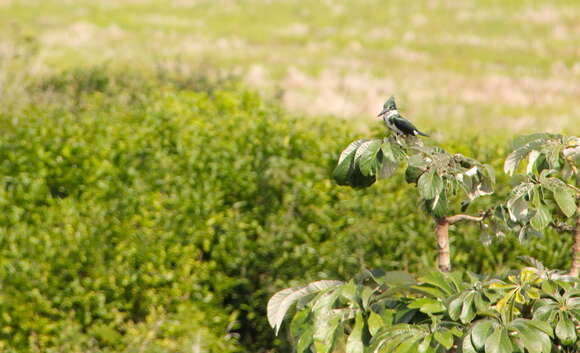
[382, 113]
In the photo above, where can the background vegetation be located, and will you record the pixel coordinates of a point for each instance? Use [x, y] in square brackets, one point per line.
[151, 203]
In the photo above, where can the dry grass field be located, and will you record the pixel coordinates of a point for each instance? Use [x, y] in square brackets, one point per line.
[501, 66]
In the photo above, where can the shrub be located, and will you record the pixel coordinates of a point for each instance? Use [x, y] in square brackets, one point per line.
[134, 208]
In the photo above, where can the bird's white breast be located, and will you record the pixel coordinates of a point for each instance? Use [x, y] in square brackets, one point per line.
[391, 125]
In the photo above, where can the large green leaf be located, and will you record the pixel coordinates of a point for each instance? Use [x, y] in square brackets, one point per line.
[542, 218]
[468, 309]
[455, 307]
[280, 302]
[305, 340]
[566, 201]
[388, 168]
[438, 207]
[522, 146]
[566, 330]
[444, 337]
[327, 322]
[366, 157]
[343, 173]
[532, 338]
[430, 185]
[375, 323]
[467, 345]
[354, 343]
[480, 333]
[532, 159]
[518, 209]
[498, 342]
[327, 328]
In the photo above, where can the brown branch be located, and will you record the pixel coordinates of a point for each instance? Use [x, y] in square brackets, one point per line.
[562, 227]
[442, 232]
[464, 217]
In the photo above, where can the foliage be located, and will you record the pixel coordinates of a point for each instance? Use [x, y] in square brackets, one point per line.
[533, 310]
[438, 174]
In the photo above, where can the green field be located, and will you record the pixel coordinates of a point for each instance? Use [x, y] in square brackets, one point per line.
[165, 165]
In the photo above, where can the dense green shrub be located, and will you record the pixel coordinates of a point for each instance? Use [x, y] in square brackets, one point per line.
[143, 215]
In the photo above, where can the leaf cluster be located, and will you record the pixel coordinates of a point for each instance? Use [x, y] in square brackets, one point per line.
[439, 175]
[532, 310]
[544, 195]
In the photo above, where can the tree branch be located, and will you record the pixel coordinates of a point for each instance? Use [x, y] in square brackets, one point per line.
[562, 227]
[464, 217]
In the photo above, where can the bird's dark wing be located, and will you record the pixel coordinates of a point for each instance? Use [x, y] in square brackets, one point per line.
[404, 125]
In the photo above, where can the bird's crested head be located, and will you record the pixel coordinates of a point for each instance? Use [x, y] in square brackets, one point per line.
[389, 106]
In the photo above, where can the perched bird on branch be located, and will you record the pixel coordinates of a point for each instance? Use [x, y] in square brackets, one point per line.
[396, 122]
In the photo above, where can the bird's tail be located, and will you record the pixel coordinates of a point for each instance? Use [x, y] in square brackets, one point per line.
[417, 132]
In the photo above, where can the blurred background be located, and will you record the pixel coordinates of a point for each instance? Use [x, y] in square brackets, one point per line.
[165, 165]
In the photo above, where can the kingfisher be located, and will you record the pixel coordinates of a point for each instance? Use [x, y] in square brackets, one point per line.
[396, 122]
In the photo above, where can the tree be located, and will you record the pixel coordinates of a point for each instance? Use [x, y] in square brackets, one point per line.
[547, 194]
[442, 179]
[533, 310]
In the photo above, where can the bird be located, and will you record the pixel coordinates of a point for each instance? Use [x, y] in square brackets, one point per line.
[396, 122]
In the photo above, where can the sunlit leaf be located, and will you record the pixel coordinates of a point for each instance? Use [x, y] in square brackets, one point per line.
[354, 343]
[280, 302]
[498, 342]
[565, 200]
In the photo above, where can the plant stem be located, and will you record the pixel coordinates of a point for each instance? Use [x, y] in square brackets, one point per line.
[576, 247]
[442, 231]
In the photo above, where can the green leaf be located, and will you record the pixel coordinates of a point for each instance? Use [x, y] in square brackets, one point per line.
[532, 158]
[518, 209]
[350, 292]
[533, 339]
[468, 311]
[346, 163]
[541, 219]
[388, 168]
[444, 337]
[280, 302]
[437, 279]
[480, 333]
[566, 330]
[425, 345]
[412, 174]
[565, 200]
[366, 157]
[408, 346]
[388, 151]
[522, 146]
[305, 340]
[375, 323]
[430, 185]
[544, 312]
[299, 322]
[438, 206]
[327, 325]
[467, 345]
[427, 305]
[397, 278]
[542, 326]
[455, 307]
[354, 343]
[498, 342]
